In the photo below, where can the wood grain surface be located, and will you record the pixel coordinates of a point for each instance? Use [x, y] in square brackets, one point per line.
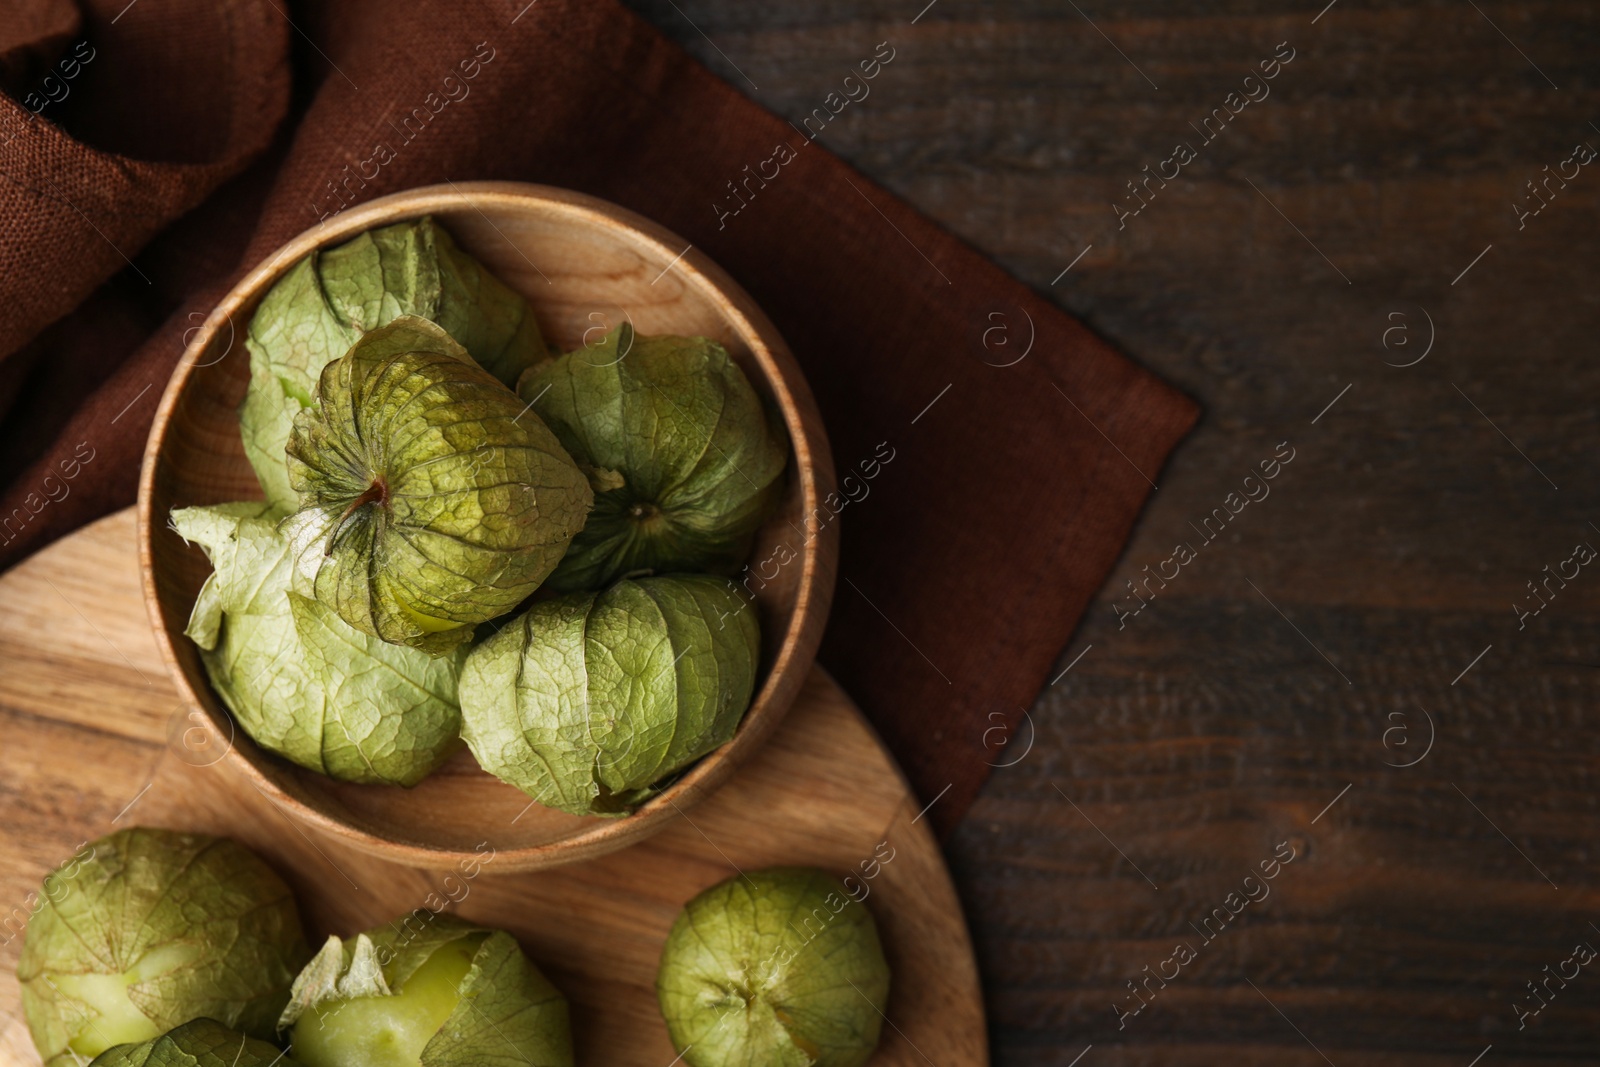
[1189, 741]
[96, 738]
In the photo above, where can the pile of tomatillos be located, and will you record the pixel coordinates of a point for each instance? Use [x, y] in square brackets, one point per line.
[428, 465]
[153, 948]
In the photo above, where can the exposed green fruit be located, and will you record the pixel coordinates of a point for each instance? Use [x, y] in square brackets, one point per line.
[440, 994]
[148, 929]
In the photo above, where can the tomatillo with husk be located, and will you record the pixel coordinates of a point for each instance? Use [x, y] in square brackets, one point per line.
[780, 967]
[431, 992]
[431, 498]
[587, 701]
[147, 929]
[326, 301]
[687, 461]
[301, 681]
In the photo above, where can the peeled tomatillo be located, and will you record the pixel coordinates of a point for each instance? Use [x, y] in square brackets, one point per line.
[436, 992]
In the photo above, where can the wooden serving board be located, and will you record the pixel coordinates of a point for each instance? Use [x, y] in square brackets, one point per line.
[93, 738]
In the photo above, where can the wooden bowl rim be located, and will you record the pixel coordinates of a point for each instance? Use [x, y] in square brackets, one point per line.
[813, 468]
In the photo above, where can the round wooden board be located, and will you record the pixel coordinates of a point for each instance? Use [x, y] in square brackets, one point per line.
[96, 739]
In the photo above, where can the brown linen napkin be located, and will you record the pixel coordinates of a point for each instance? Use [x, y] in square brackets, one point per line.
[990, 490]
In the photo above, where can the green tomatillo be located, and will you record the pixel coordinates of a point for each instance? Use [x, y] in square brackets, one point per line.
[150, 929]
[586, 701]
[323, 304]
[440, 993]
[300, 680]
[431, 499]
[778, 967]
[686, 458]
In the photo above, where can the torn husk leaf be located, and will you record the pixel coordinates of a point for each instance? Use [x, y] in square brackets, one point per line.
[485, 1004]
[197, 1043]
[298, 679]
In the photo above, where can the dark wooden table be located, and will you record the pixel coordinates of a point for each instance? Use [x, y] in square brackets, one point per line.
[1363, 213]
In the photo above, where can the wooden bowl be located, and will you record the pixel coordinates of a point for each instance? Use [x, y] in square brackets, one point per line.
[580, 262]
